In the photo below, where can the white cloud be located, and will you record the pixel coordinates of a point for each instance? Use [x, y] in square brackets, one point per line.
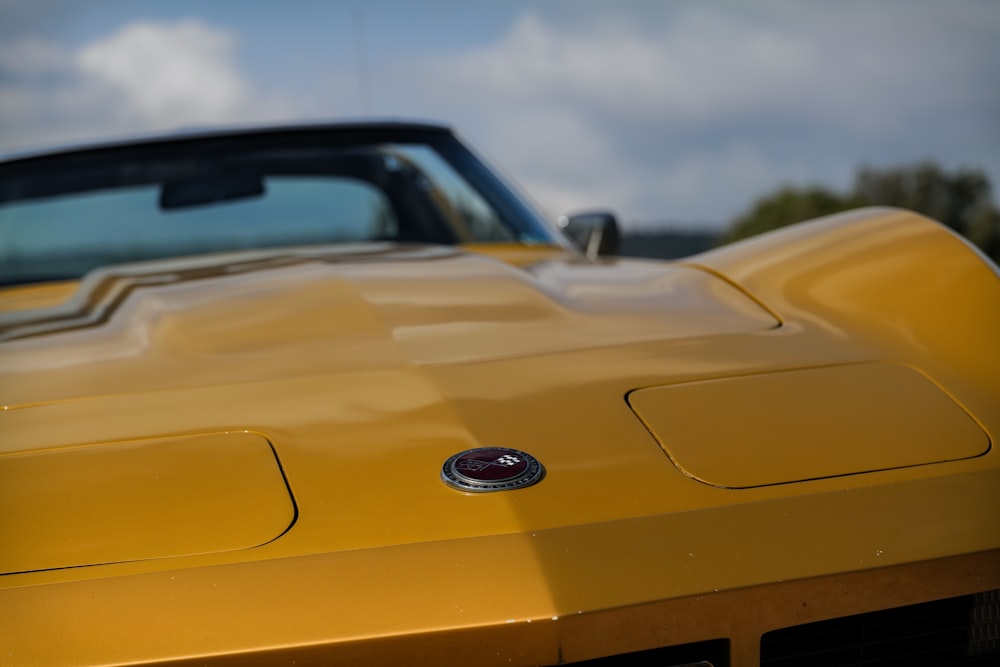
[688, 111]
[543, 96]
[563, 158]
[144, 77]
[681, 111]
[704, 62]
[847, 64]
[169, 74]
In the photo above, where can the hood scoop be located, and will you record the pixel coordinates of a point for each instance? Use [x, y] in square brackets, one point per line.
[807, 424]
[139, 500]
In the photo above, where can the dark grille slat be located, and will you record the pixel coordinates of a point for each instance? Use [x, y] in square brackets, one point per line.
[879, 653]
[932, 633]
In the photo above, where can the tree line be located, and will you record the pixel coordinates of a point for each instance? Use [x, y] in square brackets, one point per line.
[961, 199]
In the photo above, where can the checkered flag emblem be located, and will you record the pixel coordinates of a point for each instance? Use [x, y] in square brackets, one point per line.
[491, 469]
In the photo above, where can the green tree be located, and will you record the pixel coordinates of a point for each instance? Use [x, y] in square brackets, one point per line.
[984, 231]
[961, 199]
[786, 207]
[954, 199]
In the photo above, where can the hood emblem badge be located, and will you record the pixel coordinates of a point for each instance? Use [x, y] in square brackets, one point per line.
[491, 469]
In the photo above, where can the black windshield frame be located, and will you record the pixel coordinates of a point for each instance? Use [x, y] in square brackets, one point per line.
[123, 164]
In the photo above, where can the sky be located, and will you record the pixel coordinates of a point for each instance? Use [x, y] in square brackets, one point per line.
[668, 112]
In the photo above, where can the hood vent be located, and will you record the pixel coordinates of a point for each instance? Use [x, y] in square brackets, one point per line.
[138, 500]
[807, 424]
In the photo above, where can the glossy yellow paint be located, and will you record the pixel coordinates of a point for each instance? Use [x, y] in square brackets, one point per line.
[140, 500]
[366, 373]
[809, 423]
[311, 317]
[899, 281]
[29, 297]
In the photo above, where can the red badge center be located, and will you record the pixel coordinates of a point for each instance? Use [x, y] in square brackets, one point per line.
[490, 465]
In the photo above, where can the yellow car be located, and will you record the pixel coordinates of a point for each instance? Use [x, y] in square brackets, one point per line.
[335, 395]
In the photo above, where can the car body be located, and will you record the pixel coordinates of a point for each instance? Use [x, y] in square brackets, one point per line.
[240, 452]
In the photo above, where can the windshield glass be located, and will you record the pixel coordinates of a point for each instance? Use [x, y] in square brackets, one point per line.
[60, 222]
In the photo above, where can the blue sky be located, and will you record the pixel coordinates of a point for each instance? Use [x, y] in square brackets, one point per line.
[665, 111]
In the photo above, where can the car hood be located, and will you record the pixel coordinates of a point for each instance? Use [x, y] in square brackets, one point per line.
[278, 314]
[234, 377]
[291, 403]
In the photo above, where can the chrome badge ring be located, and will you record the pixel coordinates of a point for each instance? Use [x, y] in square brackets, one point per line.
[491, 469]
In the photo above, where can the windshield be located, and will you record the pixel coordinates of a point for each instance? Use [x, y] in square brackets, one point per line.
[62, 219]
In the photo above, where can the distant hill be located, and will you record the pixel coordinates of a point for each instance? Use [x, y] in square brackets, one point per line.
[667, 244]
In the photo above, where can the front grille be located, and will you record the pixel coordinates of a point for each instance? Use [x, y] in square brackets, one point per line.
[960, 631]
[701, 654]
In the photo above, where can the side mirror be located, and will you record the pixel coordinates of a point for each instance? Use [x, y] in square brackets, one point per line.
[594, 232]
